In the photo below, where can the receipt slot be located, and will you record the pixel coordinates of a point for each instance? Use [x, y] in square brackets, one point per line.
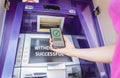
[30, 55]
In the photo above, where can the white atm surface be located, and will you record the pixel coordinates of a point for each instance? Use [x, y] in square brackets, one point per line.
[35, 59]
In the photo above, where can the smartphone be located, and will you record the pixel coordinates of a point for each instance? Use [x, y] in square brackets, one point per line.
[57, 38]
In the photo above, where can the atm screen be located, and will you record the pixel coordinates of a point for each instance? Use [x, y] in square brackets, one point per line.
[40, 52]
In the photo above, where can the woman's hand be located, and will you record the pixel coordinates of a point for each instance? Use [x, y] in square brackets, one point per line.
[68, 50]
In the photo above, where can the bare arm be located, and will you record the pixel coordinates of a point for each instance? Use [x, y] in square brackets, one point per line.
[100, 54]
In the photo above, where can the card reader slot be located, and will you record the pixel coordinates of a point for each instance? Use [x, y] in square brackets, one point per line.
[52, 7]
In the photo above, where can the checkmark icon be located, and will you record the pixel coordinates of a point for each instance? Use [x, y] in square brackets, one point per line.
[56, 33]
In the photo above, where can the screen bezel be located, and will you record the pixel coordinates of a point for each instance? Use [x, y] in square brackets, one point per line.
[26, 51]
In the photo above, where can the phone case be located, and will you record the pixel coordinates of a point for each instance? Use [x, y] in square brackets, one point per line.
[58, 45]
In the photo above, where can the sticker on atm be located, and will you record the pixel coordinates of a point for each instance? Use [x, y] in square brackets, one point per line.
[32, 1]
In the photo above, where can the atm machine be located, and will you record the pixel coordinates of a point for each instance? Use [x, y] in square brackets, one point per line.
[28, 54]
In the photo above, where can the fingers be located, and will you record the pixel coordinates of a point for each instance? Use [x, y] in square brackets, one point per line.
[51, 46]
[50, 40]
[66, 39]
[55, 50]
[51, 43]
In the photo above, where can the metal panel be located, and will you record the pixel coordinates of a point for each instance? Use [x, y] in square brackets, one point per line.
[2, 19]
[11, 50]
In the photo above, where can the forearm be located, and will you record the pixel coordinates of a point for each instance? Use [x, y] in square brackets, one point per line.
[100, 54]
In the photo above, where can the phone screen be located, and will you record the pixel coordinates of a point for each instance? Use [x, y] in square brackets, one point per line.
[57, 38]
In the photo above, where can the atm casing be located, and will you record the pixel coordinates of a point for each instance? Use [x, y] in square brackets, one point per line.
[75, 24]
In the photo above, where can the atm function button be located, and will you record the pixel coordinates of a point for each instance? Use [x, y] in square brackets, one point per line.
[72, 11]
[26, 48]
[19, 52]
[20, 47]
[25, 51]
[18, 63]
[24, 56]
[24, 60]
[29, 6]
[19, 56]
[18, 60]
